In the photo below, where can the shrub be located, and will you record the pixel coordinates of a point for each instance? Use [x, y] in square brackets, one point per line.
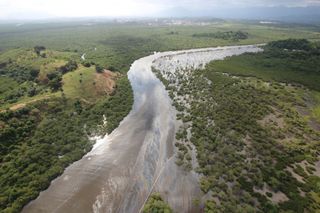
[156, 204]
[99, 68]
[111, 68]
[70, 66]
[38, 49]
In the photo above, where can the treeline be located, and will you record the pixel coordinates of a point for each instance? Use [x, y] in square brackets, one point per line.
[292, 44]
[70, 66]
[99, 67]
[229, 35]
[19, 73]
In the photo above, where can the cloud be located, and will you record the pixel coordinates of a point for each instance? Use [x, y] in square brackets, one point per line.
[81, 8]
[244, 3]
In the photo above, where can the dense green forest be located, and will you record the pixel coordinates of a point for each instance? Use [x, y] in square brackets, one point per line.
[229, 35]
[256, 139]
[291, 61]
[40, 140]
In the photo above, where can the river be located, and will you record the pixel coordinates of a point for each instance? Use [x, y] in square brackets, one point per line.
[119, 173]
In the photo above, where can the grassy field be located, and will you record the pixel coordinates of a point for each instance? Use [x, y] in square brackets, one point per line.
[80, 83]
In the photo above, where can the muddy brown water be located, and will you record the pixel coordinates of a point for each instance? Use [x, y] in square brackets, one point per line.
[121, 171]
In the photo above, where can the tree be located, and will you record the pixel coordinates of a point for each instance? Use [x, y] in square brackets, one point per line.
[34, 73]
[78, 106]
[52, 75]
[111, 68]
[55, 84]
[99, 68]
[70, 66]
[291, 44]
[210, 206]
[86, 64]
[156, 204]
[32, 92]
[38, 49]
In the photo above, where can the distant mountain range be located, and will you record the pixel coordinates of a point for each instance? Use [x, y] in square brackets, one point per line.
[287, 14]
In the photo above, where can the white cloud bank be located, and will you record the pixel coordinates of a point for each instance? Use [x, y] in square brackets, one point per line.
[32, 9]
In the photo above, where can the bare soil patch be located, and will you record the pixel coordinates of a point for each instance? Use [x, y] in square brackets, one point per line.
[105, 82]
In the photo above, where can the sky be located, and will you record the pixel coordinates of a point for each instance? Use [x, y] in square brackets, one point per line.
[39, 9]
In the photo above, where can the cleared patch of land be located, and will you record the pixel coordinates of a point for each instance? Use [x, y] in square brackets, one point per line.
[86, 83]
